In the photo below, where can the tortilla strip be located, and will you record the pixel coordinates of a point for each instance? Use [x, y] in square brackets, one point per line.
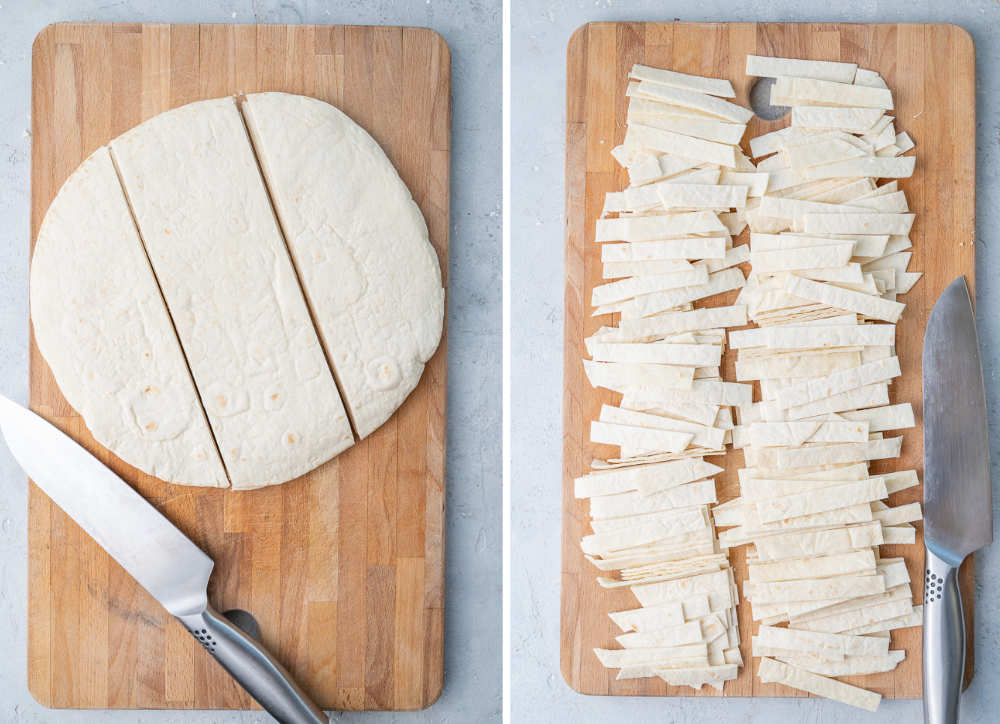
[853, 562]
[899, 514]
[683, 81]
[867, 305]
[721, 281]
[700, 492]
[650, 594]
[839, 382]
[830, 645]
[815, 589]
[850, 666]
[619, 375]
[772, 671]
[694, 355]
[914, 618]
[634, 286]
[899, 534]
[677, 322]
[701, 196]
[765, 67]
[638, 437]
[867, 396]
[792, 434]
[801, 544]
[697, 101]
[684, 522]
[685, 633]
[795, 365]
[806, 91]
[621, 658]
[677, 144]
[888, 417]
[706, 436]
[871, 166]
[653, 228]
[820, 501]
[652, 478]
[770, 262]
[852, 120]
[825, 454]
[816, 336]
[859, 617]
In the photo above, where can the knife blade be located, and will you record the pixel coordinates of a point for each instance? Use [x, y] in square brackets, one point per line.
[153, 551]
[958, 505]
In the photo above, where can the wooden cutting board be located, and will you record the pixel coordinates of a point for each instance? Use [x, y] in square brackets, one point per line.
[931, 71]
[343, 569]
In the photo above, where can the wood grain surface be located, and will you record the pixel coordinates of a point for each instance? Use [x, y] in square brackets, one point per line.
[343, 568]
[931, 71]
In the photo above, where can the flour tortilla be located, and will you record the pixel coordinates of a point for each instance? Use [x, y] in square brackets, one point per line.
[215, 247]
[360, 245]
[767, 67]
[771, 671]
[113, 351]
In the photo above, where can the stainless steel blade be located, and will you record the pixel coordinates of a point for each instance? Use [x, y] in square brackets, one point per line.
[154, 552]
[958, 510]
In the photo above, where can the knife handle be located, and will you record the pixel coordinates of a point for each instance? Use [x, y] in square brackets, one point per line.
[254, 669]
[944, 642]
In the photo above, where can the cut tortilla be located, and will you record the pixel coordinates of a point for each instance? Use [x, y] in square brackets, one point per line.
[857, 223]
[765, 67]
[360, 246]
[636, 286]
[653, 228]
[647, 305]
[822, 500]
[695, 355]
[775, 672]
[638, 437]
[677, 144]
[845, 299]
[713, 247]
[853, 120]
[263, 378]
[114, 353]
[841, 381]
[789, 569]
[810, 91]
[817, 589]
[712, 86]
[699, 492]
[701, 196]
[647, 479]
[696, 101]
[872, 166]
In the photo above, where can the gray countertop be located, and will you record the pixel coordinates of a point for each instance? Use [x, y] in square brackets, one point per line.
[540, 31]
[472, 29]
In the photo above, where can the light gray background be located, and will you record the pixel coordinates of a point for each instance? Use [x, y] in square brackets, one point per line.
[472, 29]
[540, 31]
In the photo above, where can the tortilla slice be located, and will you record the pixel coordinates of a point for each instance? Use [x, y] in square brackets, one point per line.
[851, 562]
[808, 543]
[850, 666]
[776, 672]
[815, 589]
[672, 79]
[697, 101]
[806, 91]
[649, 478]
[635, 286]
[851, 120]
[765, 67]
[830, 645]
[678, 144]
[871, 166]
[839, 382]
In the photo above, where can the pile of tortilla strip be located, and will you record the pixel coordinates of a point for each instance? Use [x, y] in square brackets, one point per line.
[828, 258]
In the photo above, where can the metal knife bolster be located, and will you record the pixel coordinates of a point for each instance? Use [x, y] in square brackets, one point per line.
[258, 672]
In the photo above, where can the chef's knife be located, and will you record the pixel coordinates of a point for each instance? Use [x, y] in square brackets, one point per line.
[958, 508]
[153, 551]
